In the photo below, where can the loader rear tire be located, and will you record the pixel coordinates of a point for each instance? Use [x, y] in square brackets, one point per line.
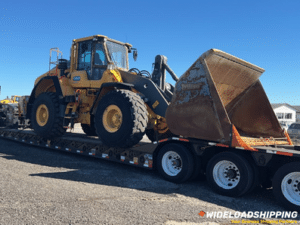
[45, 118]
[121, 119]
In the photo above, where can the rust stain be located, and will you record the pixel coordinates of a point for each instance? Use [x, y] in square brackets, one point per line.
[193, 84]
[192, 112]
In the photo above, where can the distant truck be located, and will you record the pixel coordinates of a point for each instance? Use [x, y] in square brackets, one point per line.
[217, 120]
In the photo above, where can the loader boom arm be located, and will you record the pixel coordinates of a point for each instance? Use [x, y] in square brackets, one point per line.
[159, 72]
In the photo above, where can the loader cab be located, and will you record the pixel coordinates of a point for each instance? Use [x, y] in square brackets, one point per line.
[92, 59]
[96, 54]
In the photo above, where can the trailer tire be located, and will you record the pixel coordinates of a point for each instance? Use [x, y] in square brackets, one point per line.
[45, 119]
[197, 173]
[121, 118]
[175, 163]
[229, 174]
[286, 185]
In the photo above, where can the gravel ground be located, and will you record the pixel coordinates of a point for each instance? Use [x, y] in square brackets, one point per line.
[43, 186]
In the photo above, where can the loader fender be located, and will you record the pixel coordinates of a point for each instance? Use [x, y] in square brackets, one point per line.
[40, 87]
[154, 98]
[108, 85]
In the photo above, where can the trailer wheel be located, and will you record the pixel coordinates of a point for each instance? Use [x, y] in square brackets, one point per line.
[121, 118]
[229, 174]
[45, 118]
[175, 163]
[286, 185]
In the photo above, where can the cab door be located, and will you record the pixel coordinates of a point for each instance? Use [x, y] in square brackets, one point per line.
[99, 61]
[81, 76]
[99, 74]
[91, 64]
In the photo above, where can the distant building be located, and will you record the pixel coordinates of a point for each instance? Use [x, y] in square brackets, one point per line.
[297, 107]
[287, 114]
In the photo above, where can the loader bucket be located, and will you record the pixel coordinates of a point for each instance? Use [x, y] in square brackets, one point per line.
[220, 98]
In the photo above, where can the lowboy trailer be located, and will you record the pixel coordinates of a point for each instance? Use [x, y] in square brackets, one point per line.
[230, 171]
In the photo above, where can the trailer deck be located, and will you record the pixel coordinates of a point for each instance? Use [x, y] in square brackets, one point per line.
[140, 155]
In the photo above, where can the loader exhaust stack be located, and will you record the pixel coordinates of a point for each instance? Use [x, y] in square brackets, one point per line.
[220, 98]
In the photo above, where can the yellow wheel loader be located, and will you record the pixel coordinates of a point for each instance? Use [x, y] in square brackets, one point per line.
[97, 89]
[9, 110]
[13, 111]
[219, 98]
[13, 99]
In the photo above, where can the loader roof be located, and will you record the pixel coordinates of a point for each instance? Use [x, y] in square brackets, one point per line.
[100, 36]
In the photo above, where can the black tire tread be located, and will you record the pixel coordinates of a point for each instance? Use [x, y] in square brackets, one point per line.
[139, 113]
[57, 128]
[141, 117]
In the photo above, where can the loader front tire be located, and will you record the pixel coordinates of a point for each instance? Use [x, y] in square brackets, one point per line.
[45, 118]
[121, 119]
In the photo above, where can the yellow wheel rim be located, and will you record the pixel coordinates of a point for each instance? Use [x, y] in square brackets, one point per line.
[112, 118]
[42, 115]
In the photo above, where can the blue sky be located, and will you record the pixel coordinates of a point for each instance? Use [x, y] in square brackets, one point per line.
[265, 33]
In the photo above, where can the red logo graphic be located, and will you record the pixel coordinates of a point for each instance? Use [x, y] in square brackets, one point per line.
[202, 213]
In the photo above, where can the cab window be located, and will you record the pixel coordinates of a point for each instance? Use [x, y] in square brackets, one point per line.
[118, 54]
[85, 56]
[100, 62]
[99, 58]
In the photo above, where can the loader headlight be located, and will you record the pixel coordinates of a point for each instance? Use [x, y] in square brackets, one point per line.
[168, 86]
